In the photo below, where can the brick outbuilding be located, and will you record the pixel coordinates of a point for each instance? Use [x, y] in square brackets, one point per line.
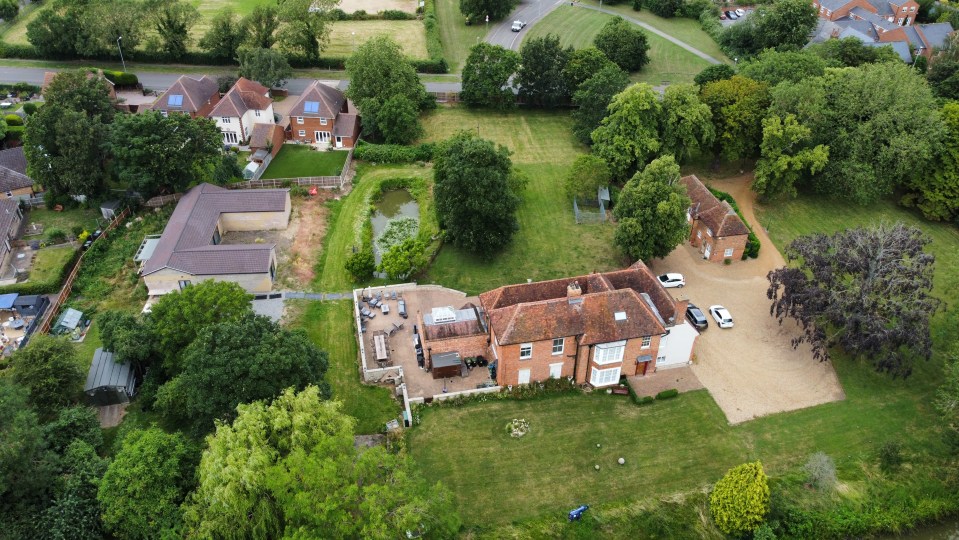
[715, 228]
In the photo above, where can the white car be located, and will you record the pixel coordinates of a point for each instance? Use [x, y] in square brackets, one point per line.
[518, 25]
[740, 12]
[672, 280]
[722, 316]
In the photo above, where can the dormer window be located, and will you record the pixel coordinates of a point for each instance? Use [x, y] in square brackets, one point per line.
[175, 100]
[311, 107]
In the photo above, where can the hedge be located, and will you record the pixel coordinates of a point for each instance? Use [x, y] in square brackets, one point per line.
[752, 241]
[43, 287]
[13, 120]
[667, 394]
[393, 153]
[434, 46]
[121, 78]
[14, 133]
[361, 15]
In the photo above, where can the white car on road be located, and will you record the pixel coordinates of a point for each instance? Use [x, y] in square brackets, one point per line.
[722, 316]
[672, 280]
[518, 25]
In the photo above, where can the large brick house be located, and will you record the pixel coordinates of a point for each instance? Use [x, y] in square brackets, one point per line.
[187, 95]
[901, 13]
[593, 329]
[715, 228]
[246, 104]
[322, 115]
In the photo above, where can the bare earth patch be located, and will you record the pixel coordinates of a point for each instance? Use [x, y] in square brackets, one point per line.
[751, 370]
[306, 232]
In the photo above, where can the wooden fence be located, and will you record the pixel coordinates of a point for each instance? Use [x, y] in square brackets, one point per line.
[162, 200]
[68, 285]
[327, 182]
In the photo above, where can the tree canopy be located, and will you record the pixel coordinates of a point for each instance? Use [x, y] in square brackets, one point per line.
[583, 64]
[477, 10]
[49, 370]
[306, 25]
[261, 25]
[715, 72]
[739, 501]
[486, 76]
[784, 24]
[738, 105]
[786, 157]
[593, 97]
[290, 469]
[865, 290]
[476, 193]
[628, 138]
[624, 43]
[172, 21]
[225, 35]
[773, 67]
[651, 212]
[268, 67]
[586, 176]
[852, 52]
[687, 122]
[540, 77]
[398, 120]
[936, 194]
[26, 467]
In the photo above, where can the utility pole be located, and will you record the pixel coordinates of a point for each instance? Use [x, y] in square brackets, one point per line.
[487, 24]
[121, 52]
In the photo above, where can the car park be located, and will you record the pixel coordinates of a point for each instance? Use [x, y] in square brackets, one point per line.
[672, 280]
[696, 317]
[722, 316]
[518, 25]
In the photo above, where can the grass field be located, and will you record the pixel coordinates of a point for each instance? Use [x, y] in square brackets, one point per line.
[50, 262]
[64, 220]
[296, 160]
[457, 38]
[686, 443]
[549, 244]
[576, 27]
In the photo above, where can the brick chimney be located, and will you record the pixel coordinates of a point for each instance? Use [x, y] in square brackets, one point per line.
[682, 302]
[573, 290]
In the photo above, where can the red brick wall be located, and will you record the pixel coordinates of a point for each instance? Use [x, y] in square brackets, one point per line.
[699, 237]
[309, 125]
[466, 346]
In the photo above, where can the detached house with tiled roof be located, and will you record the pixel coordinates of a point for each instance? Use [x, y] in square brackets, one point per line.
[715, 228]
[246, 104]
[195, 97]
[322, 115]
[192, 247]
[14, 182]
[593, 328]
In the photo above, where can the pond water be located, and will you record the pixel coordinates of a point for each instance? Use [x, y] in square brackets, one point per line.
[947, 530]
[393, 204]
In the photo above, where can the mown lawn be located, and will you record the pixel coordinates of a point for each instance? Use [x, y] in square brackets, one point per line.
[577, 27]
[296, 160]
[410, 35]
[549, 243]
[457, 38]
[64, 220]
[50, 262]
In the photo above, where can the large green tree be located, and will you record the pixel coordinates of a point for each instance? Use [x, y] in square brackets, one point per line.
[936, 194]
[784, 24]
[9, 10]
[71, 424]
[261, 26]
[268, 67]
[50, 371]
[738, 105]
[142, 489]
[624, 43]
[583, 64]
[58, 30]
[104, 21]
[289, 469]
[398, 120]
[225, 35]
[476, 11]
[786, 157]
[476, 192]
[852, 52]
[306, 25]
[587, 174]
[773, 67]
[540, 77]
[172, 21]
[486, 76]
[75, 511]
[651, 212]
[687, 122]
[238, 362]
[628, 138]
[593, 97]
[129, 337]
[156, 154]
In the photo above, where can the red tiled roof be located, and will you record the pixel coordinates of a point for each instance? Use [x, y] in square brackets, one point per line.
[262, 135]
[330, 101]
[196, 93]
[245, 95]
[718, 215]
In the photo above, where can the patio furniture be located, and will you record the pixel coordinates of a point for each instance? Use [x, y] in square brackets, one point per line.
[16, 324]
[379, 344]
[393, 295]
[385, 307]
[397, 327]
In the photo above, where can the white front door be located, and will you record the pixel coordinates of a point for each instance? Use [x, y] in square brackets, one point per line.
[321, 136]
[555, 370]
[339, 142]
[524, 376]
[709, 248]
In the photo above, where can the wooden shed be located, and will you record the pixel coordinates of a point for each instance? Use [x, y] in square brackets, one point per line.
[445, 365]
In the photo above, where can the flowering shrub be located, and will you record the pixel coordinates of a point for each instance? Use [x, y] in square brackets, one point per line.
[517, 427]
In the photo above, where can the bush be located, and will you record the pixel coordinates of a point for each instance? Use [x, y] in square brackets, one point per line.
[77, 230]
[121, 78]
[821, 471]
[30, 108]
[890, 456]
[667, 394]
[764, 532]
[361, 264]
[56, 236]
[394, 153]
[645, 400]
[739, 502]
[15, 133]
[396, 15]
[13, 120]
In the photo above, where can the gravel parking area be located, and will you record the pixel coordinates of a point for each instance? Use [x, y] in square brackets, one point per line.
[751, 370]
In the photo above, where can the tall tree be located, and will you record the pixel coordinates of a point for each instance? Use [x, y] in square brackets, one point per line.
[651, 212]
[593, 97]
[72, 424]
[172, 20]
[476, 193]
[58, 32]
[9, 10]
[268, 67]
[156, 154]
[623, 43]
[628, 138]
[583, 64]
[225, 35]
[773, 67]
[75, 510]
[143, 487]
[486, 76]
[785, 24]
[786, 157]
[937, 194]
[261, 25]
[290, 469]
[129, 337]
[238, 362]
[49, 369]
[852, 52]
[586, 176]
[540, 77]
[713, 73]
[67, 151]
[865, 290]
[378, 70]
[687, 122]
[404, 259]
[306, 25]
[105, 21]
[738, 106]
[476, 11]
[399, 120]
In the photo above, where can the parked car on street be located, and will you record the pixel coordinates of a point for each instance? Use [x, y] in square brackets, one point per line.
[696, 317]
[672, 280]
[741, 12]
[518, 25]
[722, 316]
[731, 15]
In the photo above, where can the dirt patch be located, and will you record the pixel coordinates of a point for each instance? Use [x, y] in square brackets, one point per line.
[682, 379]
[111, 415]
[751, 370]
[376, 6]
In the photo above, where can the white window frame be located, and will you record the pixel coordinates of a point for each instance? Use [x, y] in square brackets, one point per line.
[609, 353]
[256, 112]
[525, 351]
[301, 133]
[322, 121]
[604, 377]
[709, 232]
[900, 21]
[229, 137]
[164, 114]
[728, 252]
[562, 346]
[647, 341]
[699, 235]
[299, 119]
[555, 364]
[224, 119]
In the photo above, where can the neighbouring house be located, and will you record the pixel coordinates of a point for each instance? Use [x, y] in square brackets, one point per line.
[50, 75]
[897, 13]
[14, 182]
[10, 217]
[109, 382]
[246, 104]
[715, 228]
[187, 95]
[322, 115]
[267, 139]
[909, 41]
[191, 249]
[593, 329]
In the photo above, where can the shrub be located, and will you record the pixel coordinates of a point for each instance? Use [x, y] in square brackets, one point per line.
[645, 400]
[821, 471]
[739, 501]
[77, 230]
[121, 78]
[667, 394]
[13, 120]
[361, 265]
[890, 456]
[396, 15]
[30, 108]
[56, 236]
[14, 133]
[764, 532]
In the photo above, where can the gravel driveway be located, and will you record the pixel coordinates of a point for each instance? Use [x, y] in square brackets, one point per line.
[751, 370]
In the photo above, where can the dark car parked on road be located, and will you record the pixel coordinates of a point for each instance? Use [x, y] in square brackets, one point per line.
[696, 317]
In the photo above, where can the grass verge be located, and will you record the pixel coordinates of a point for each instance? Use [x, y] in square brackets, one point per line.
[457, 38]
[296, 160]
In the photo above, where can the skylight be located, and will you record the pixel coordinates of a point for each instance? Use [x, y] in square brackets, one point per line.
[175, 100]
[620, 315]
[311, 107]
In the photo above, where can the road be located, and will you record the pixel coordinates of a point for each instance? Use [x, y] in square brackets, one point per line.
[161, 81]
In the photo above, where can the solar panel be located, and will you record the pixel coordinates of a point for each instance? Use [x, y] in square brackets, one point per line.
[311, 107]
[175, 100]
